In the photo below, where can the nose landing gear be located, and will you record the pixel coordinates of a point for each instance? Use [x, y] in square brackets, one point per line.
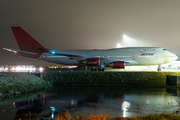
[159, 68]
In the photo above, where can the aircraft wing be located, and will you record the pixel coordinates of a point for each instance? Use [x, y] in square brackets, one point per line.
[109, 60]
[80, 57]
[77, 57]
[66, 54]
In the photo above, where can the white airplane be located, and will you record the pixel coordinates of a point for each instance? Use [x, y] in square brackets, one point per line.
[115, 58]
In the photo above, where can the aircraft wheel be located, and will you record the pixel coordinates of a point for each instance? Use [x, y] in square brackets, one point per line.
[93, 69]
[101, 69]
[159, 69]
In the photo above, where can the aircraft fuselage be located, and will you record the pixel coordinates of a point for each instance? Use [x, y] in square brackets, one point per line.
[135, 56]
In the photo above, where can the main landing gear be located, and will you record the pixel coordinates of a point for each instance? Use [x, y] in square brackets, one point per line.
[95, 69]
[159, 68]
[100, 68]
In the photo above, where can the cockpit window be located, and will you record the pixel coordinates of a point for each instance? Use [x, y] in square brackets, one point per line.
[164, 49]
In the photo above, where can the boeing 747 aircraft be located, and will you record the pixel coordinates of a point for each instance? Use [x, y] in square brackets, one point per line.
[115, 58]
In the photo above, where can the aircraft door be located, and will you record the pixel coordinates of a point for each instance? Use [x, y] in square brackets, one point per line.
[141, 50]
[133, 58]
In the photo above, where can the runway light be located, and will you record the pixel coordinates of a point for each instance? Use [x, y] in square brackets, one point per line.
[41, 69]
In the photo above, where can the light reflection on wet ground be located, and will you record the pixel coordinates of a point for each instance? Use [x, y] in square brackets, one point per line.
[83, 101]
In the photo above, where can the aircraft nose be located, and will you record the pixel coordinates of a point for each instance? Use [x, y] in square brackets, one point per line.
[175, 57]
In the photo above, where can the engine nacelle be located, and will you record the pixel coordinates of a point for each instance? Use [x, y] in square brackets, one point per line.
[91, 62]
[117, 64]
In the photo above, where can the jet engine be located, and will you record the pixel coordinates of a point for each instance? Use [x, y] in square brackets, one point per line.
[91, 62]
[117, 64]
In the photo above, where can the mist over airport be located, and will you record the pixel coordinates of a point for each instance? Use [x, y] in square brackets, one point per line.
[123, 83]
[92, 24]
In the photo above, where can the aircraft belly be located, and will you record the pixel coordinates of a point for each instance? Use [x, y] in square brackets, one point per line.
[65, 61]
[60, 60]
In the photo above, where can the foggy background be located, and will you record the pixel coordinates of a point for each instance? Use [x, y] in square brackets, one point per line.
[89, 24]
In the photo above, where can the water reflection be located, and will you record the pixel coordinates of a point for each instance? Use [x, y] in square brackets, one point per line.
[83, 101]
[125, 106]
[53, 109]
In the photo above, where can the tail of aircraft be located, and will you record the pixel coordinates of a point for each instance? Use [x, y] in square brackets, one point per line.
[27, 43]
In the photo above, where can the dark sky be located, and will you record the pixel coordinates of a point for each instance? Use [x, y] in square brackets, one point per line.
[89, 24]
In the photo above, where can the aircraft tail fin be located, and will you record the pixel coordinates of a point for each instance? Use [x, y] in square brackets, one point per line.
[26, 42]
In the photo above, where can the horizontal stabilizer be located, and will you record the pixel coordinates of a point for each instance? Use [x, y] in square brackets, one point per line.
[15, 51]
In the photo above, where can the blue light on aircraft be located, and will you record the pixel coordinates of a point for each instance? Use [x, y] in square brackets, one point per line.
[53, 52]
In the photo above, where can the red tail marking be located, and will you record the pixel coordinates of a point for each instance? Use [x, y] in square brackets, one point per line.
[26, 42]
